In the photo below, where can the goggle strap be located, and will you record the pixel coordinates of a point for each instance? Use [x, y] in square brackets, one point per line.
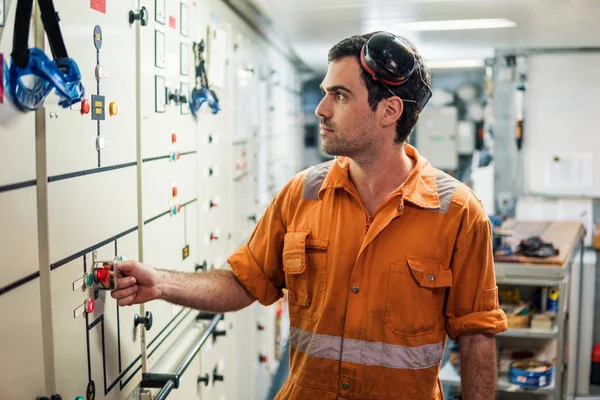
[20, 49]
[52, 28]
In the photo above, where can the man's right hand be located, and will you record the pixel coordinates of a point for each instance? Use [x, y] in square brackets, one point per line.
[138, 283]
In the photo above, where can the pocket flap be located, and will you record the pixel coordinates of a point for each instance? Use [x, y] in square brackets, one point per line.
[294, 252]
[429, 272]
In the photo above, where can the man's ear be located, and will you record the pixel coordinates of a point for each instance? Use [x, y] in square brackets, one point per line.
[394, 107]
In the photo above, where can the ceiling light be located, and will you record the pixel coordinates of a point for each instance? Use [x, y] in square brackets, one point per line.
[467, 63]
[456, 24]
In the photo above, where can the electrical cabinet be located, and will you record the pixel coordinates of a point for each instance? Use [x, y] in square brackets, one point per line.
[130, 172]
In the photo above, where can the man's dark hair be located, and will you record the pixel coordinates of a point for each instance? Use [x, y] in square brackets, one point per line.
[351, 47]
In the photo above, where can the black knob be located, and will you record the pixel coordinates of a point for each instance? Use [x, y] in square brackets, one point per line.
[204, 379]
[56, 397]
[146, 321]
[42, 398]
[142, 16]
[260, 326]
[217, 377]
[173, 95]
[204, 266]
[182, 98]
[252, 218]
[203, 315]
[216, 334]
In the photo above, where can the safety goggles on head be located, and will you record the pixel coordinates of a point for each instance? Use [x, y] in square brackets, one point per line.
[391, 61]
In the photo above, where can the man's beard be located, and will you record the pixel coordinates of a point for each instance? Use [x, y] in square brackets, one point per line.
[337, 143]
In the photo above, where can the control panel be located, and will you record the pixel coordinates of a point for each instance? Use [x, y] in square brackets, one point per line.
[166, 159]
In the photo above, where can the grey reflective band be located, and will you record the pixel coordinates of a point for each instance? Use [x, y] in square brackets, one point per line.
[446, 187]
[314, 179]
[365, 353]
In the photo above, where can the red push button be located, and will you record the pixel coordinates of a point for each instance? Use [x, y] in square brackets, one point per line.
[173, 138]
[85, 106]
[174, 191]
[89, 306]
[102, 274]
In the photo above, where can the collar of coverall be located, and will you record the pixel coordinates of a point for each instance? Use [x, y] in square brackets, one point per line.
[419, 188]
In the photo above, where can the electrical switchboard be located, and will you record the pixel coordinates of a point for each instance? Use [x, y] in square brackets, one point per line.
[162, 161]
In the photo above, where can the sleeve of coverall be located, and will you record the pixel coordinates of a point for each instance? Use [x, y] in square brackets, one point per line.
[473, 299]
[257, 264]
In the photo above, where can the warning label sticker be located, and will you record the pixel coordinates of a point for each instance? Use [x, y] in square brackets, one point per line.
[98, 5]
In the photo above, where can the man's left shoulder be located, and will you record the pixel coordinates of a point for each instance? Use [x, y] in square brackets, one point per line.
[463, 196]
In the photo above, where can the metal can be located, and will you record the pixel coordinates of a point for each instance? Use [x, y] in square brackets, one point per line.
[530, 374]
[552, 302]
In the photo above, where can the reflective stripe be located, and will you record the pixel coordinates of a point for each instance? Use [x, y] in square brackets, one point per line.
[314, 179]
[365, 353]
[446, 187]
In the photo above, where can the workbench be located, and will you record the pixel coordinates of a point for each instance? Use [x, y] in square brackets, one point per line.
[556, 271]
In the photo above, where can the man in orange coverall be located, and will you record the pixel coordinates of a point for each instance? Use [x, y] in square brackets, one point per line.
[383, 256]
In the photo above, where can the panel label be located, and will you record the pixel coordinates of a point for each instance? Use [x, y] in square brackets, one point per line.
[97, 37]
[98, 5]
[159, 14]
[2, 13]
[1, 78]
[160, 94]
[97, 108]
[184, 19]
[78, 311]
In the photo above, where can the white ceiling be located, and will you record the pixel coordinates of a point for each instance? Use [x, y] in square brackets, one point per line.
[313, 26]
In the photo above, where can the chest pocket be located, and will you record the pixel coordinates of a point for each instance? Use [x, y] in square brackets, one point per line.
[415, 297]
[305, 267]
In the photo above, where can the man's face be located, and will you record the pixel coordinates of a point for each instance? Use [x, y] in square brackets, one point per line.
[348, 125]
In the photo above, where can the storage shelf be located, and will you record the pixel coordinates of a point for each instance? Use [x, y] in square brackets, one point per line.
[530, 333]
[450, 377]
[505, 386]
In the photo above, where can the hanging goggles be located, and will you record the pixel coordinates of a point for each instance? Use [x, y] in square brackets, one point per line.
[61, 73]
[202, 93]
[201, 96]
[391, 61]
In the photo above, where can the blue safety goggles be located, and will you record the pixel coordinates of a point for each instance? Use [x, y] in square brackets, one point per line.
[32, 75]
[202, 93]
[46, 77]
[201, 96]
